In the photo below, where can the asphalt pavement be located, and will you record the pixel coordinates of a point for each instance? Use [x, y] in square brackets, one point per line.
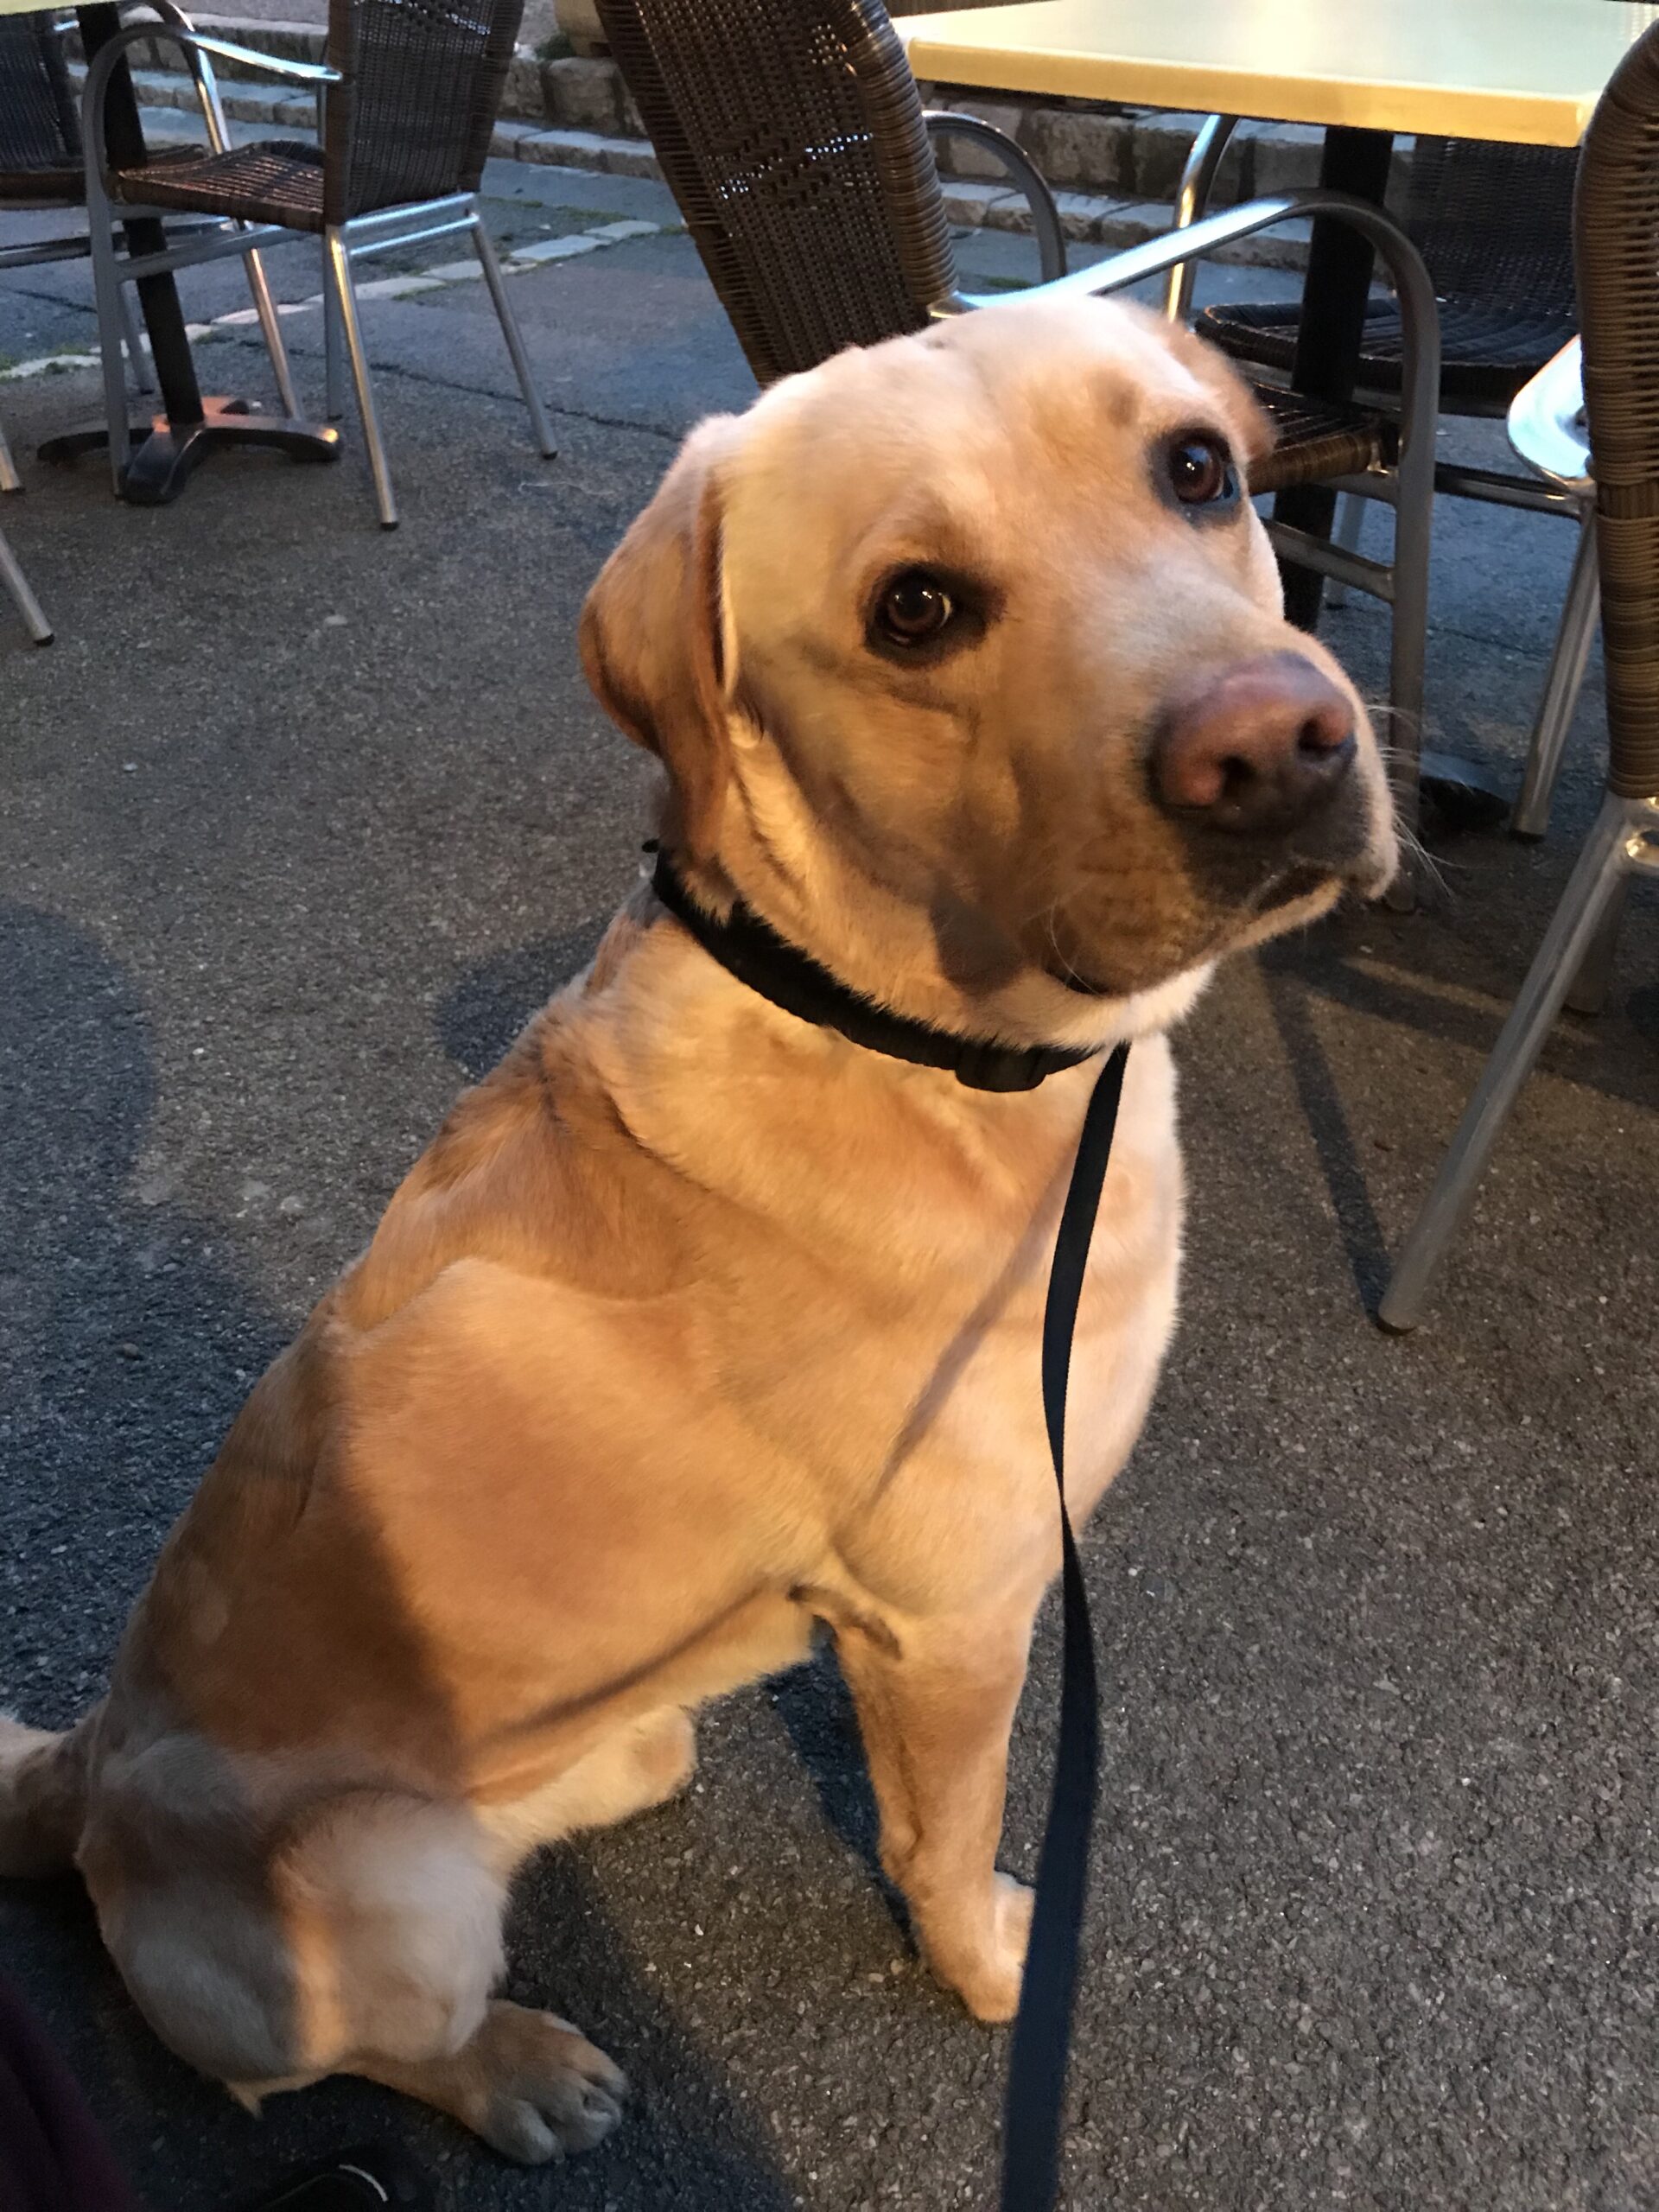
[298, 821]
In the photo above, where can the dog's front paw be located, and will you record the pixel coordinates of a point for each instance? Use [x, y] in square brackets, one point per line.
[542, 2090]
[987, 1974]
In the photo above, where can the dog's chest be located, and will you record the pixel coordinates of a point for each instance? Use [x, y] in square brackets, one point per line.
[928, 1433]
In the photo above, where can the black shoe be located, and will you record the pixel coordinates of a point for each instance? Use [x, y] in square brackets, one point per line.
[371, 2179]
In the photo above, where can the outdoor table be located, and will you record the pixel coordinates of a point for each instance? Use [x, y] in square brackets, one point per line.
[1526, 71]
[166, 451]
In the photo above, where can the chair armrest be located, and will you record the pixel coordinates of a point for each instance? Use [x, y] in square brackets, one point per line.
[197, 49]
[1028, 178]
[1547, 423]
[1419, 315]
[194, 41]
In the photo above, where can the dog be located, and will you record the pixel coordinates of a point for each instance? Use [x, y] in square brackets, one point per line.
[701, 1324]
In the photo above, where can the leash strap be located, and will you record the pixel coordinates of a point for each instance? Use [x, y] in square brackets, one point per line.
[1042, 2030]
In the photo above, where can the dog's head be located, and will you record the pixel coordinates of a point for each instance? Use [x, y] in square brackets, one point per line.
[966, 653]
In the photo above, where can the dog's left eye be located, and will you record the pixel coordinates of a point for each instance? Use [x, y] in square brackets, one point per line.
[914, 609]
[1200, 470]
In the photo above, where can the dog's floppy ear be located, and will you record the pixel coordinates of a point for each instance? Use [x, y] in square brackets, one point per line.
[652, 636]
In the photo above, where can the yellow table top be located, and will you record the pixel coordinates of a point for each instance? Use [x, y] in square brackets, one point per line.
[1528, 71]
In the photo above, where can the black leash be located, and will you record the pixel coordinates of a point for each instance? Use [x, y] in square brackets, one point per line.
[1042, 2030]
[747, 946]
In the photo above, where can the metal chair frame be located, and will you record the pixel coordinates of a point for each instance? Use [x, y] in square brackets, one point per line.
[22, 596]
[1495, 487]
[1046, 229]
[343, 243]
[1616, 223]
[78, 246]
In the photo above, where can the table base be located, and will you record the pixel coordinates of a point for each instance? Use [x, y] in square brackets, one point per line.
[165, 455]
[1468, 794]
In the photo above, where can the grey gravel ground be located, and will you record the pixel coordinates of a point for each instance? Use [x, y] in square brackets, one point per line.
[298, 821]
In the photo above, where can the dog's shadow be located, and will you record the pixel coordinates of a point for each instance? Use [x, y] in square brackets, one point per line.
[122, 1333]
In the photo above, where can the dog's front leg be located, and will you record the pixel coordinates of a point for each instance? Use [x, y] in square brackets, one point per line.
[935, 1708]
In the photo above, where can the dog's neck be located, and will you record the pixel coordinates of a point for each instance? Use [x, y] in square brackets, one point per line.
[885, 950]
[748, 947]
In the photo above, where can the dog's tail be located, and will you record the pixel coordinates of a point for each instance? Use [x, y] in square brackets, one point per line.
[42, 1796]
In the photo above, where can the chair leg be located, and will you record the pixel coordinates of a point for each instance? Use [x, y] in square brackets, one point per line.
[1587, 992]
[27, 606]
[106, 292]
[1596, 885]
[539, 425]
[1579, 615]
[270, 324]
[1407, 644]
[10, 479]
[1350, 520]
[339, 271]
[143, 377]
[334, 401]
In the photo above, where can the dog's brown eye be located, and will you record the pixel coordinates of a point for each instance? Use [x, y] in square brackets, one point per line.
[1200, 469]
[913, 609]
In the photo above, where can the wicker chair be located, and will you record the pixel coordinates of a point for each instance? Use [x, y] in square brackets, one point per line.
[1494, 224]
[793, 138]
[42, 166]
[407, 100]
[1616, 227]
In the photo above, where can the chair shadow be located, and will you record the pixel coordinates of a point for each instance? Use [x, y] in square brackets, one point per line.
[1289, 987]
[126, 1347]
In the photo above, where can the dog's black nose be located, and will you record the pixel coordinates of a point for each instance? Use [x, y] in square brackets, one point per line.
[1254, 749]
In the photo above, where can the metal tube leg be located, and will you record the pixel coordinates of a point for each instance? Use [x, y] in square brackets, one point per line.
[10, 479]
[334, 402]
[27, 606]
[106, 290]
[1587, 992]
[339, 262]
[1407, 645]
[1350, 520]
[1595, 883]
[339, 271]
[1581, 613]
[541, 427]
[270, 324]
[143, 376]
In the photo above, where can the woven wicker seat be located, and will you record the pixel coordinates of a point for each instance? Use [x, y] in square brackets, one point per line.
[1494, 224]
[1487, 353]
[1317, 439]
[274, 181]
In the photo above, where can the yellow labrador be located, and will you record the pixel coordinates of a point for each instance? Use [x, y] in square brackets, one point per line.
[699, 1322]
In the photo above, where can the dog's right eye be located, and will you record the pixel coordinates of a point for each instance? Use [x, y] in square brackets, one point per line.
[913, 609]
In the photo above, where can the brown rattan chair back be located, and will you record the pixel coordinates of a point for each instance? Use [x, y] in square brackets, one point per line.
[1495, 222]
[791, 133]
[39, 128]
[1616, 225]
[422, 84]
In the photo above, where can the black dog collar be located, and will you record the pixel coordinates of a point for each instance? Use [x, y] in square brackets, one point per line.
[750, 949]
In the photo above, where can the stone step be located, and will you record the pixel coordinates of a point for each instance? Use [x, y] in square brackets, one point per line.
[1088, 218]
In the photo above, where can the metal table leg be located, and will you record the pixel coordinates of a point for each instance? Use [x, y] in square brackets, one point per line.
[1329, 337]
